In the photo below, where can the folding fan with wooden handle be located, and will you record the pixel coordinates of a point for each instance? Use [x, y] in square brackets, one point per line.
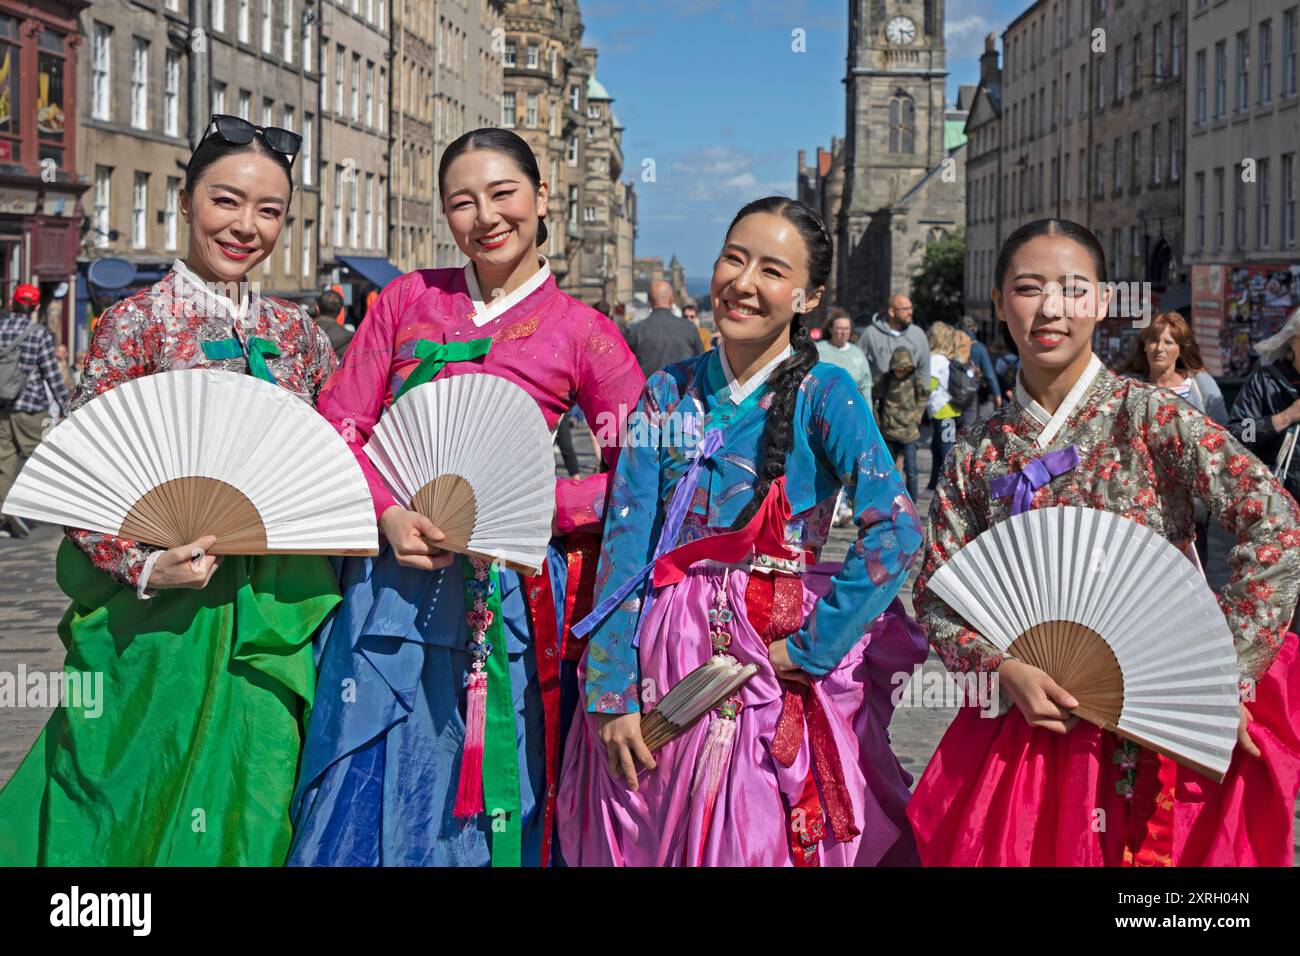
[169, 458]
[472, 453]
[694, 696]
[1117, 616]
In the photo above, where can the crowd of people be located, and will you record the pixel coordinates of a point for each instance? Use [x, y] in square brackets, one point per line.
[282, 709]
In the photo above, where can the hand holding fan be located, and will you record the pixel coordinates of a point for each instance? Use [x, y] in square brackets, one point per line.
[472, 453]
[694, 696]
[168, 458]
[1117, 616]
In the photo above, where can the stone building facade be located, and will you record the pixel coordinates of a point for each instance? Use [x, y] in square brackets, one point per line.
[354, 138]
[1242, 104]
[412, 210]
[983, 188]
[604, 204]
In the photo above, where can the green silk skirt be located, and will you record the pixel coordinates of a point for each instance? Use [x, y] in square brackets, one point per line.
[192, 758]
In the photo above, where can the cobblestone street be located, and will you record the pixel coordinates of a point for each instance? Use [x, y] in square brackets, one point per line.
[31, 606]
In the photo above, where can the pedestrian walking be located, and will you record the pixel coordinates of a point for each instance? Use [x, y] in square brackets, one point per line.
[31, 380]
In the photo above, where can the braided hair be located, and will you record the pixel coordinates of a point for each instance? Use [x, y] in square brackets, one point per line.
[778, 432]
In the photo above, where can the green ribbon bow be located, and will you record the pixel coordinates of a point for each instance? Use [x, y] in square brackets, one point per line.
[437, 354]
[258, 350]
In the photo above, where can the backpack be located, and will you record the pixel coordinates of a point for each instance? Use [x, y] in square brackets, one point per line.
[13, 379]
[963, 384]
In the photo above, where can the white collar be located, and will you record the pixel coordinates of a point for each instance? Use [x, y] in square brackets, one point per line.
[192, 279]
[1052, 424]
[741, 392]
[485, 312]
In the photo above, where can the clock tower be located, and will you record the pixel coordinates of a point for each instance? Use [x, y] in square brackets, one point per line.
[894, 140]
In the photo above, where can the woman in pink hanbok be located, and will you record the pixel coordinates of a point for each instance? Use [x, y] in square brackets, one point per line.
[733, 464]
[384, 779]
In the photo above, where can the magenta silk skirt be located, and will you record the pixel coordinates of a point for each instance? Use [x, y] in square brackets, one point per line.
[601, 822]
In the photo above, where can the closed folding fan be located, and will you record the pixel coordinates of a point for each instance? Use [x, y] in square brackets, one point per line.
[169, 458]
[472, 453]
[694, 696]
[1117, 616]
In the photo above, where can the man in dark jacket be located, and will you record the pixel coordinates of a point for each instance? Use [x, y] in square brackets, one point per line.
[1268, 408]
[323, 311]
[662, 338]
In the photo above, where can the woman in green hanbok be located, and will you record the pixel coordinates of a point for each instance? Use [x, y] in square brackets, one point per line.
[204, 664]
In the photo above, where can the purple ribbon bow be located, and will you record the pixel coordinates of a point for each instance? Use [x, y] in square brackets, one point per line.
[1037, 473]
[676, 514]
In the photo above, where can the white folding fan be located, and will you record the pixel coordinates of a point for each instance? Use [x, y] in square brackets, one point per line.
[472, 453]
[1117, 616]
[168, 458]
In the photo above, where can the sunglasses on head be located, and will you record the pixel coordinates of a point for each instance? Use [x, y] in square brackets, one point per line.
[238, 132]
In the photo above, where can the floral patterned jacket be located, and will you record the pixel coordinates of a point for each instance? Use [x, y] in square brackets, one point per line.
[1144, 454]
[162, 329]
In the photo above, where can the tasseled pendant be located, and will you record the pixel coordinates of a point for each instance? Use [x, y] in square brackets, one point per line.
[716, 755]
[469, 790]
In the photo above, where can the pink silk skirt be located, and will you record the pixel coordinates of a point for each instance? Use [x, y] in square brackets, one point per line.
[1000, 793]
[664, 823]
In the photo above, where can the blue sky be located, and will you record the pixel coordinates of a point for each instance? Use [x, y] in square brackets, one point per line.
[711, 91]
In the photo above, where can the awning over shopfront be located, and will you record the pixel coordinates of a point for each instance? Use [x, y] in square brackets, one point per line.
[375, 270]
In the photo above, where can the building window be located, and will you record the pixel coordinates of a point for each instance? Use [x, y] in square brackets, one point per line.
[1243, 70]
[287, 42]
[1158, 51]
[575, 98]
[103, 204]
[307, 45]
[1118, 161]
[306, 248]
[1288, 201]
[1119, 72]
[1099, 189]
[268, 112]
[1069, 99]
[218, 97]
[902, 125]
[532, 62]
[1200, 88]
[1263, 211]
[531, 119]
[382, 119]
[217, 17]
[1083, 91]
[338, 206]
[1156, 156]
[356, 87]
[1200, 211]
[1289, 52]
[172, 212]
[370, 210]
[381, 237]
[510, 56]
[1239, 209]
[308, 160]
[139, 83]
[572, 151]
[340, 65]
[266, 26]
[245, 104]
[1220, 78]
[1100, 105]
[1135, 172]
[101, 71]
[172, 95]
[370, 94]
[1266, 61]
[1218, 208]
[573, 206]
[1175, 151]
[245, 25]
[508, 109]
[1176, 45]
[1133, 241]
[354, 212]
[140, 211]
[1065, 179]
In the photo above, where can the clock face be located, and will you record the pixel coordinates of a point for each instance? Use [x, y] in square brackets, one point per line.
[900, 30]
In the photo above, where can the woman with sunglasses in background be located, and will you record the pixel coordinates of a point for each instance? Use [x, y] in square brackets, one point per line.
[187, 754]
